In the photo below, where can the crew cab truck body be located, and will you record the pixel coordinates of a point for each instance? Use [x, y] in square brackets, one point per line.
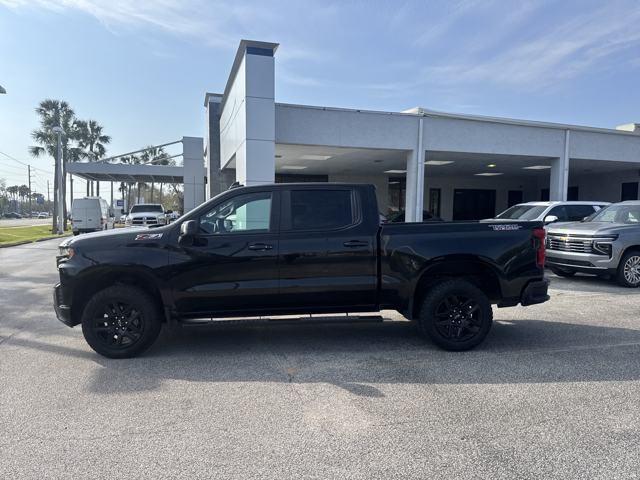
[296, 249]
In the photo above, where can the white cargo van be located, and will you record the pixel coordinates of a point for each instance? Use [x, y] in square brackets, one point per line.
[91, 214]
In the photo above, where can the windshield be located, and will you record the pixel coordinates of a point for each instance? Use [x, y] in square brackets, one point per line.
[523, 212]
[146, 208]
[619, 213]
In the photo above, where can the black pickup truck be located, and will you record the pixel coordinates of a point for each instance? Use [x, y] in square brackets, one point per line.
[296, 249]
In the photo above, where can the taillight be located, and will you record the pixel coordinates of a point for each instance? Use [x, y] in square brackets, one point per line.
[538, 235]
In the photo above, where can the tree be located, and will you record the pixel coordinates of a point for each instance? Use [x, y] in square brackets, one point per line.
[54, 113]
[4, 197]
[155, 156]
[91, 140]
[131, 160]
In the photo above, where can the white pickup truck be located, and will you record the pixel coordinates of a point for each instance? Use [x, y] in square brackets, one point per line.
[146, 214]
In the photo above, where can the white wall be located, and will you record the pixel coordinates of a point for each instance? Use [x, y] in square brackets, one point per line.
[606, 187]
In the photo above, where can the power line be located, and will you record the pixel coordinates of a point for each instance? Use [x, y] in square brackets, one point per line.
[24, 164]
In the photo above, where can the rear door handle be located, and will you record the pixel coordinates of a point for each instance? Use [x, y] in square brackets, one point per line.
[356, 243]
[260, 246]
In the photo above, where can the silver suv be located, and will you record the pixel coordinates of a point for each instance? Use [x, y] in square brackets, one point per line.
[606, 243]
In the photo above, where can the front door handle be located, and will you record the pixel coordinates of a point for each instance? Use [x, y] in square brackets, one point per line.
[355, 243]
[260, 246]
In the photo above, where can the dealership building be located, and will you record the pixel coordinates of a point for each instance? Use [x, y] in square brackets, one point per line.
[458, 167]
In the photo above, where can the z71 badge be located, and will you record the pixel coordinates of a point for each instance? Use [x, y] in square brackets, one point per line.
[505, 227]
[148, 236]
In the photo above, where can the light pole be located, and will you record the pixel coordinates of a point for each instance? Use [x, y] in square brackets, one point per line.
[59, 132]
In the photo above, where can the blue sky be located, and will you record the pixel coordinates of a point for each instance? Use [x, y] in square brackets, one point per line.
[142, 68]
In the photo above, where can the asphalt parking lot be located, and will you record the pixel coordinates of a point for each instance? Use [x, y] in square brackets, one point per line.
[554, 392]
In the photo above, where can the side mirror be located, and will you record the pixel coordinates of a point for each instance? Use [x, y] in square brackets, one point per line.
[188, 231]
[550, 219]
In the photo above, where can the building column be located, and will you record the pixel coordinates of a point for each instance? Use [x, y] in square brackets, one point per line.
[194, 172]
[247, 115]
[414, 200]
[559, 179]
[215, 178]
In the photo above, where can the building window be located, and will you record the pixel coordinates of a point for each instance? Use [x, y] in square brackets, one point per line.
[434, 202]
[629, 191]
[572, 193]
[397, 192]
[544, 195]
[514, 197]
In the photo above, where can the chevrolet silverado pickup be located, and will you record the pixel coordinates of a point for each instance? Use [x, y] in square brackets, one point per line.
[296, 249]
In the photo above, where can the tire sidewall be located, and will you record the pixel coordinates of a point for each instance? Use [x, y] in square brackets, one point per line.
[426, 320]
[151, 324]
[621, 278]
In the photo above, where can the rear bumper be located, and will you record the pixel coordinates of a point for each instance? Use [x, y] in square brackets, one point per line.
[63, 312]
[535, 292]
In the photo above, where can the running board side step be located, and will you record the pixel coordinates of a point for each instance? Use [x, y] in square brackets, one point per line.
[284, 320]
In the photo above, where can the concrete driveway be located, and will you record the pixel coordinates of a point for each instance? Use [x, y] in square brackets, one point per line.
[553, 393]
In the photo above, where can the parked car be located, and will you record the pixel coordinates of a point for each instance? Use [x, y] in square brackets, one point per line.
[146, 214]
[12, 215]
[43, 215]
[551, 212]
[296, 249]
[426, 217]
[91, 214]
[607, 243]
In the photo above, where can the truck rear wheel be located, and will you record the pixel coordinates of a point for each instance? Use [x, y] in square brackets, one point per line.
[456, 315]
[121, 321]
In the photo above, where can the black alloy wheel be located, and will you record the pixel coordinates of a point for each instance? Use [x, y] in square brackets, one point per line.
[121, 321]
[455, 315]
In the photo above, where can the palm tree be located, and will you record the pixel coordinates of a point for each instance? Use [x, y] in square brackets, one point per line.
[54, 113]
[92, 142]
[155, 156]
[131, 160]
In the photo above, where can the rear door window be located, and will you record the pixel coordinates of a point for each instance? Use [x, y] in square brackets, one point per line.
[321, 209]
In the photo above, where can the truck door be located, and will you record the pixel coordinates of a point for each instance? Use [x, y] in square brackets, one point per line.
[232, 265]
[327, 250]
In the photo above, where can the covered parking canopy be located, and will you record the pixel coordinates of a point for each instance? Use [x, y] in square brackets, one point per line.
[191, 173]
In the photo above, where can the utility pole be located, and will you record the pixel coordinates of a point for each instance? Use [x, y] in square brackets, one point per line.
[60, 197]
[29, 173]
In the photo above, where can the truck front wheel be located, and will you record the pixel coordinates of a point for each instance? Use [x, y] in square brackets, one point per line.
[628, 274]
[121, 321]
[455, 315]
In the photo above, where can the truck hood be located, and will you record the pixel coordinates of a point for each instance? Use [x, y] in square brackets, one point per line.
[112, 237]
[591, 228]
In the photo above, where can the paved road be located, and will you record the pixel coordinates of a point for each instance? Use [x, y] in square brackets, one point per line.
[553, 393]
[23, 222]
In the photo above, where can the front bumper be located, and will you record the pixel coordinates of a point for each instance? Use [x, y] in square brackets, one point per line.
[583, 262]
[535, 292]
[63, 312]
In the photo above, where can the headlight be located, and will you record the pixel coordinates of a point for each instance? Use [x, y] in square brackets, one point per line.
[67, 252]
[127, 221]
